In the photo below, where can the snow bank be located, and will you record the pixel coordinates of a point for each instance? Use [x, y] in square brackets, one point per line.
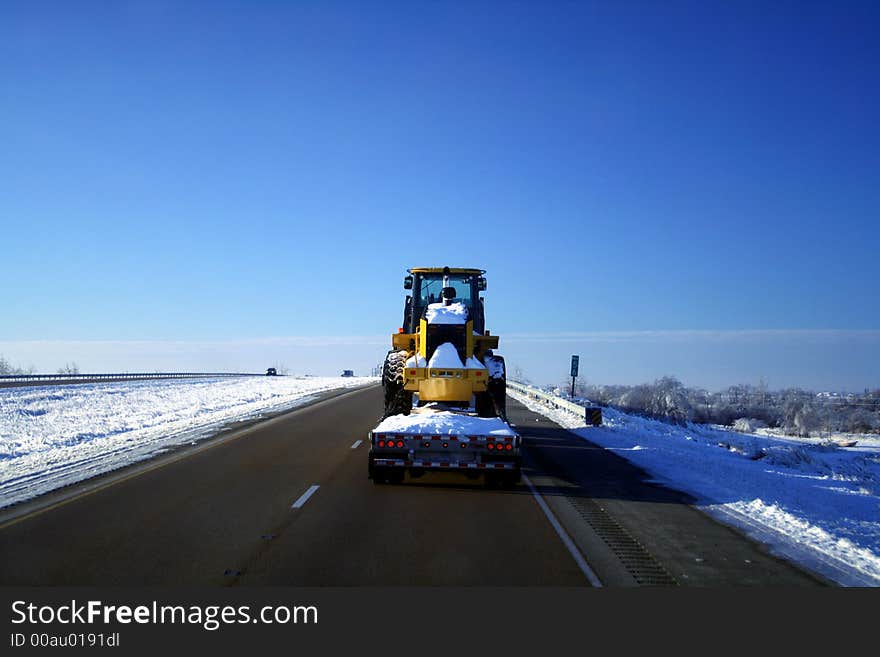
[52, 436]
[416, 360]
[454, 313]
[748, 425]
[818, 505]
[444, 423]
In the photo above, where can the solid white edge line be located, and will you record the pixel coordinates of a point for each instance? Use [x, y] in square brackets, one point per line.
[563, 536]
[305, 497]
[357, 444]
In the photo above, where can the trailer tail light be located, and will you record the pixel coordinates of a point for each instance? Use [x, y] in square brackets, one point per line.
[490, 445]
[445, 444]
[400, 443]
[381, 443]
[508, 447]
[426, 444]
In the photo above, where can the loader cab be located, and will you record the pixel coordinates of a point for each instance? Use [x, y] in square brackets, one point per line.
[427, 288]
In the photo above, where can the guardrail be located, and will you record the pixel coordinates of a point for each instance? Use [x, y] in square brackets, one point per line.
[119, 376]
[591, 414]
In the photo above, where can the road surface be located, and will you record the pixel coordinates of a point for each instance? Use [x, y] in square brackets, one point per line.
[287, 502]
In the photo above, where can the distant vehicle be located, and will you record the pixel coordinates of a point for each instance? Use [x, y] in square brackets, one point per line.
[347, 372]
[271, 372]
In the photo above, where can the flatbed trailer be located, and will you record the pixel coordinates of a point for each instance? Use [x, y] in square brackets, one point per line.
[444, 440]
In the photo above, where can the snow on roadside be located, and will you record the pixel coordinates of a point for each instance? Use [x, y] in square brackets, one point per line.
[52, 436]
[815, 504]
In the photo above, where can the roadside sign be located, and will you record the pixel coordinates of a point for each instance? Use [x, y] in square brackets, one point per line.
[574, 365]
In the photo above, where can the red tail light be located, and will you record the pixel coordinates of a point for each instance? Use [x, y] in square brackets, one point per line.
[490, 446]
[400, 443]
[381, 443]
[508, 447]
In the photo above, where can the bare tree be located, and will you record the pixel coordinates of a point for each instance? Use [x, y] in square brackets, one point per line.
[6, 368]
[69, 368]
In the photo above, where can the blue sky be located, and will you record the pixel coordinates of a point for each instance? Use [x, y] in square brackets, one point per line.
[221, 184]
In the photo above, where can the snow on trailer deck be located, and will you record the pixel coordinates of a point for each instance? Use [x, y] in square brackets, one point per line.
[428, 435]
[439, 423]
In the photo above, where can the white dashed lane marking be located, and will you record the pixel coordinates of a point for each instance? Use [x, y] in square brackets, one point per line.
[305, 497]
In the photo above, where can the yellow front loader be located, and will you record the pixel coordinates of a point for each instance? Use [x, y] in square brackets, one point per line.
[443, 352]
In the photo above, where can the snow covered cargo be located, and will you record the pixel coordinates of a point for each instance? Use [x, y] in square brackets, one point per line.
[444, 440]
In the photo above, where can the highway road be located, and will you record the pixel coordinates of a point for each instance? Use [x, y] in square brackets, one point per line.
[287, 501]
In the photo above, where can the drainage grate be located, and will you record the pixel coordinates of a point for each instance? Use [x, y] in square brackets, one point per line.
[639, 563]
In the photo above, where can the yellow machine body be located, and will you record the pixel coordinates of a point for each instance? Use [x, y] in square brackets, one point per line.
[444, 384]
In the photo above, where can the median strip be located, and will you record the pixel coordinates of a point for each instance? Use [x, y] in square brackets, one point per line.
[305, 497]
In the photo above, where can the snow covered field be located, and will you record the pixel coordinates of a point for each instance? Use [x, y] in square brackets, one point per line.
[815, 504]
[51, 436]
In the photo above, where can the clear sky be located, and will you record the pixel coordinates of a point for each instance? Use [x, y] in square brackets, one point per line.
[686, 188]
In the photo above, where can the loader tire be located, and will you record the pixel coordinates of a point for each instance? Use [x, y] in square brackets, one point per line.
[397, 400]
[497, 385]
[483, 404]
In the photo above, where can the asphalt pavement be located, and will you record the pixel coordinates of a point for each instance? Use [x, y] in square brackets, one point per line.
[287, 501]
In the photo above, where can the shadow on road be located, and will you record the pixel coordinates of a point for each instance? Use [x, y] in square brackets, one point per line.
[583, 468]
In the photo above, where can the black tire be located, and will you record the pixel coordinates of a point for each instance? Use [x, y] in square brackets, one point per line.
[511, 479]
[397, 400]
[395, 475]
[497, 385]
[492, 480]
[483, 404]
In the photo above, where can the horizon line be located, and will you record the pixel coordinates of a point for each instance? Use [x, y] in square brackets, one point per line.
[578, 336]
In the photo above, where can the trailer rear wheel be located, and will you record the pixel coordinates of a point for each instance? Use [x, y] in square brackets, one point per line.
[511, 479]
[377, 475]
